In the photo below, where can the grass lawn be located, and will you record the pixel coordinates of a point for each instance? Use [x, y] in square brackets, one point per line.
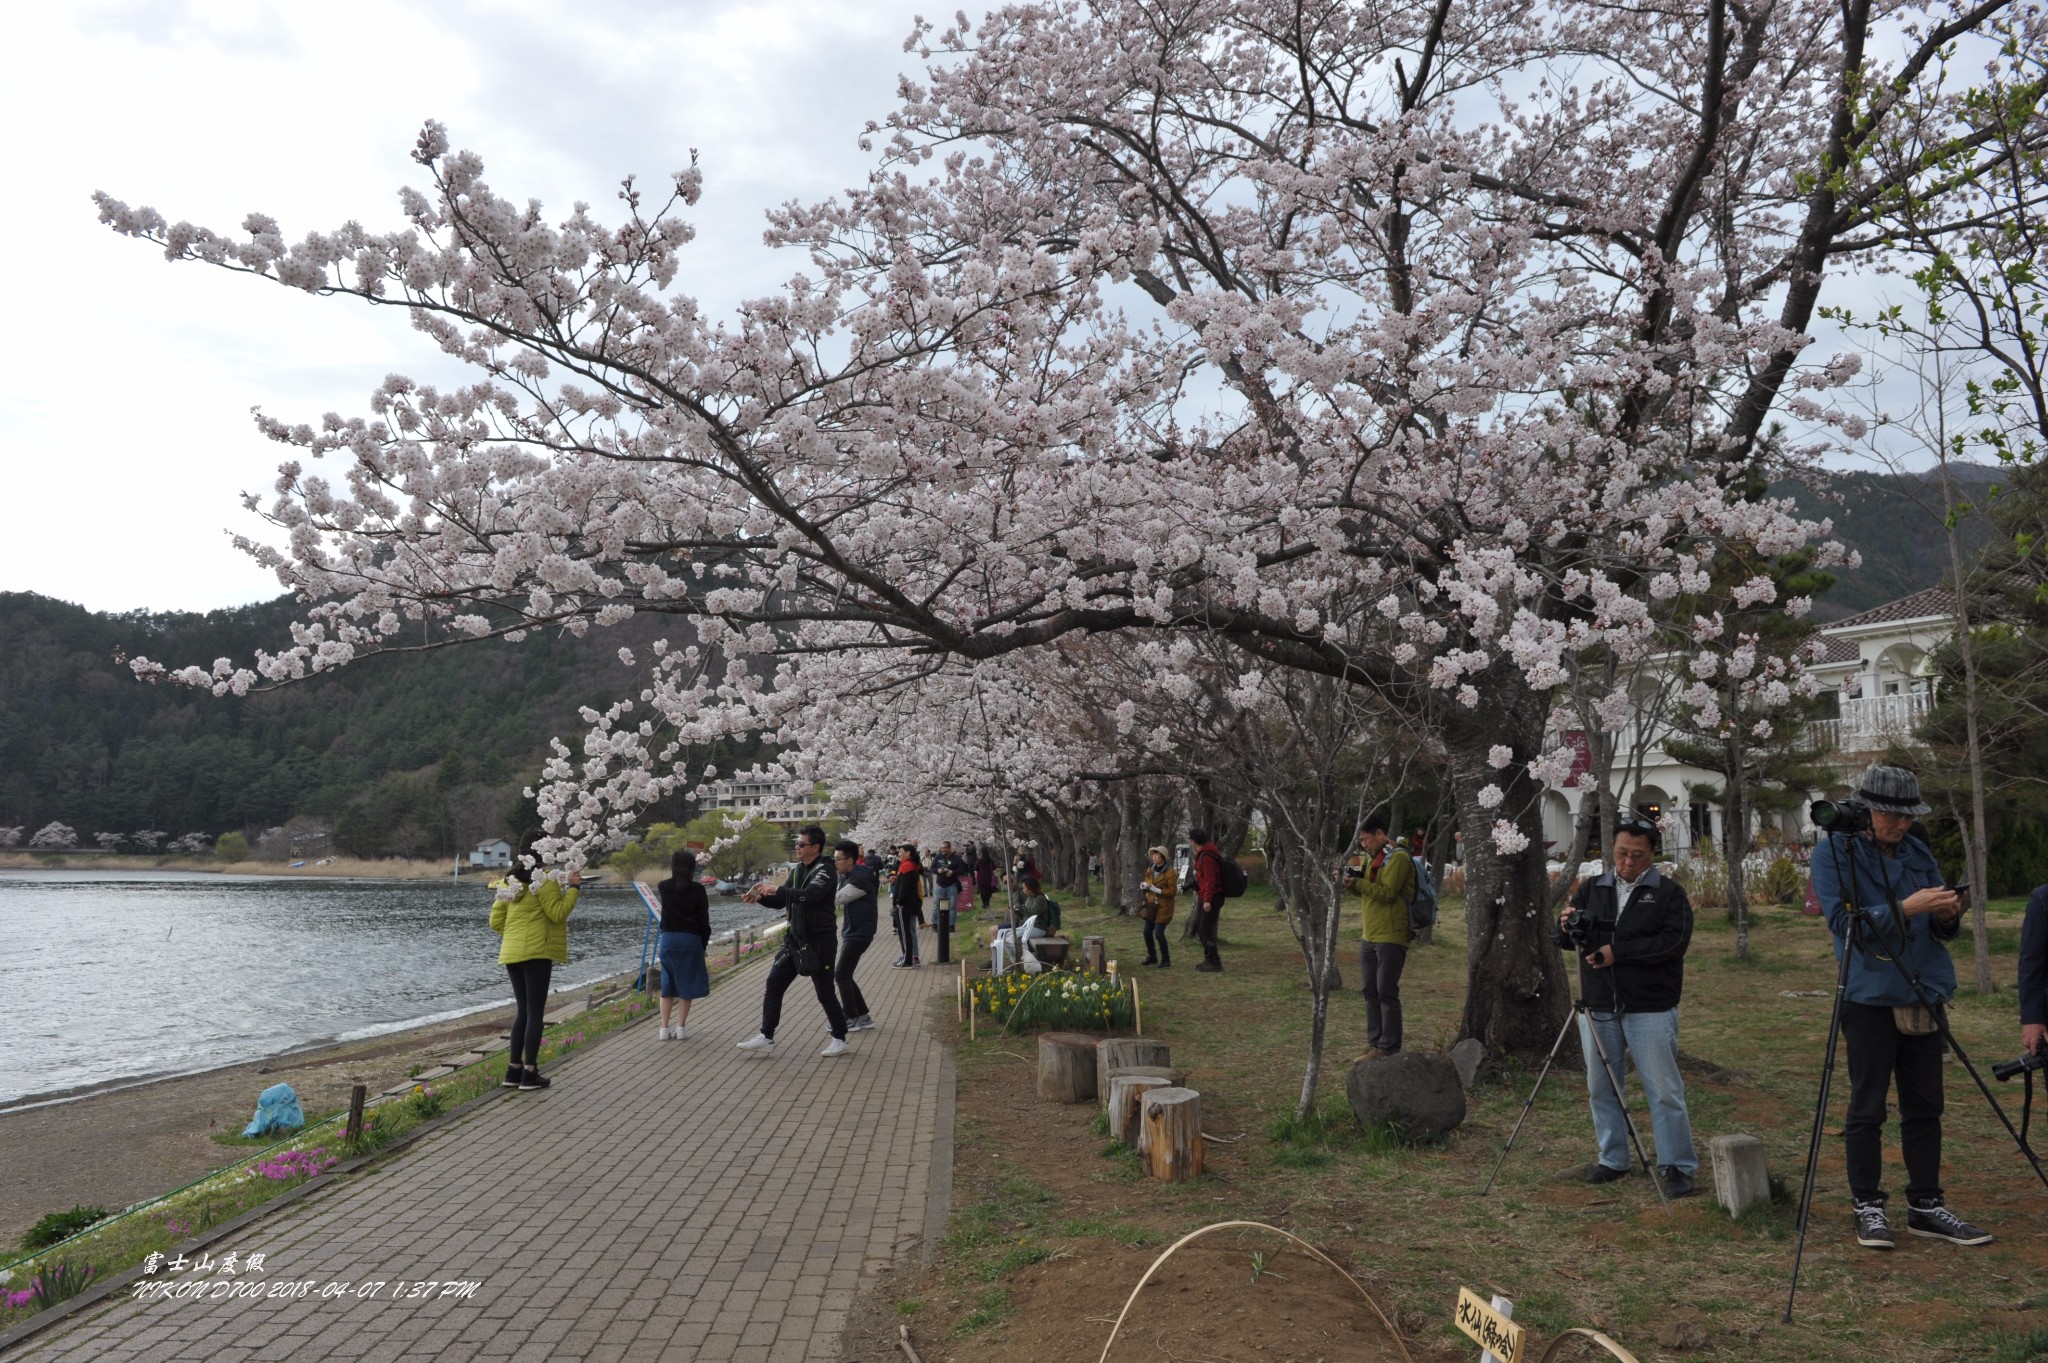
[1052, 1224]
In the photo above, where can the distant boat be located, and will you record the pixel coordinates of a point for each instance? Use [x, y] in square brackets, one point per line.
[297, 864]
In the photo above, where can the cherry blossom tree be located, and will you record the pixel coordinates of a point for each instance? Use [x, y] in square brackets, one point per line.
[54, 836]
[11, 837]
[1219, 315]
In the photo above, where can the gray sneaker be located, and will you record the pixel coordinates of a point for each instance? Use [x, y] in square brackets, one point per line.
[1873, 1231]
[1935, 1221]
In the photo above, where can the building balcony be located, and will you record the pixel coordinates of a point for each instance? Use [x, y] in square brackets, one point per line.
[1873, 723]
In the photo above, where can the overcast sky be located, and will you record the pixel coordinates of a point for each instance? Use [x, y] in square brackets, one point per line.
[126, 382]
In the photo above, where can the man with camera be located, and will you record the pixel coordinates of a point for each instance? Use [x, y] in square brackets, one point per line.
[807, 948]
[1630, 928]
[2033, 981]
[1892, 913]
[1384, 884]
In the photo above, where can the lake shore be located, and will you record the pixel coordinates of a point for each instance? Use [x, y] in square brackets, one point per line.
[116, 1145]
[350, 868]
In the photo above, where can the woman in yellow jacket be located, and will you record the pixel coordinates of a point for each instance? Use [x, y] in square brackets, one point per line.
[531, 914]
[1160, 885]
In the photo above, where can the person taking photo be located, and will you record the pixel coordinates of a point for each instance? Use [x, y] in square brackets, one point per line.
[1630, 928]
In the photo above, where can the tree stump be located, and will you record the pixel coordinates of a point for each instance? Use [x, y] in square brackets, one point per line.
[1094, 955]
[1126, 1103]
[1066, 1067]
[1116, 1052]
[1173, 1133]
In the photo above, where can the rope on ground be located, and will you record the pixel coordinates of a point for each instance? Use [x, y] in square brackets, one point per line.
[1392, 1333]
[1602, 1340]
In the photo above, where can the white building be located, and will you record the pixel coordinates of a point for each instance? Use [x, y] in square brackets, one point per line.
[1877, 683]
[769, 800]
[496, 853]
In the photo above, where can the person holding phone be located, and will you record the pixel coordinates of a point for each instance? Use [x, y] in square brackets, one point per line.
[807, 895]
[531, 916]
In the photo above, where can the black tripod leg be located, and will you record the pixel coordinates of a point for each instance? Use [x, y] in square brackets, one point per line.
[1941, 1018]
[1607, 1067]
[1820, 1113]
[1543, 1074]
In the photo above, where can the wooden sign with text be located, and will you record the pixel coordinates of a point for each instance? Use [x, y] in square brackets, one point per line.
[1492, 1331]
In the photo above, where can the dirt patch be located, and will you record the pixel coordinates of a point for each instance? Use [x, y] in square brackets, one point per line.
[122, 1146]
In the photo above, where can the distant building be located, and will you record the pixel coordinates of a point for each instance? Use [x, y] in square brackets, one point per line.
[770, 801]
[1877, 687]
[494, 853]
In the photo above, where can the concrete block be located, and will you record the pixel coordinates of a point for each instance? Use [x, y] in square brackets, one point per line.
[1740, 1179]
[1468, 1055]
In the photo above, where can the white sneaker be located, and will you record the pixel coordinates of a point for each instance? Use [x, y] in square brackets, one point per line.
[835, 1047]
[661, 1034]
[675, 1034]
[757, 1042]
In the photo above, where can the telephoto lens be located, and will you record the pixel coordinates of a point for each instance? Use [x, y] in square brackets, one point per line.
[2013, 1069]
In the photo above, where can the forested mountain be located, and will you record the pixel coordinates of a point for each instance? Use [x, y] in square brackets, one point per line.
[1895, 522]
[413, 755]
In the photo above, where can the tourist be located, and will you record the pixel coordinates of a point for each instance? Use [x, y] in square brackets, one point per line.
[807, 947]
[906, 900]
[531, 915]
[858, 911]
[1160, 885]
[1208, 868]
[1634, 925]
[685, 929]
[1035, 904]
[1384, 885]
[1901, 934]
[985, 877]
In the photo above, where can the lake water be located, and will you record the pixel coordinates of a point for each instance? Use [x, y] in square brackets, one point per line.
[108, 976]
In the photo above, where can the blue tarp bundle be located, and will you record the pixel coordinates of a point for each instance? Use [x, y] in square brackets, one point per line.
[277, 1109]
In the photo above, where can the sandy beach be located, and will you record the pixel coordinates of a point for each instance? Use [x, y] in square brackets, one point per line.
[114, 1147]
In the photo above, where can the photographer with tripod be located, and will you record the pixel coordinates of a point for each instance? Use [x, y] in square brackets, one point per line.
[1630, 928]
[1892, 917]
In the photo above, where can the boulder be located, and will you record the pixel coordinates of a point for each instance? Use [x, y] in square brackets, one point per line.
[1468, 1055]
[1415, 1093]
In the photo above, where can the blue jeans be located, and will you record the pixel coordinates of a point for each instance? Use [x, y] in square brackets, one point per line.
[1651, 1040]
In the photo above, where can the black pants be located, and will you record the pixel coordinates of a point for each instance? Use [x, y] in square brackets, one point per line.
[1205, 929]
[1878, 1054]
[1155, 943]
[530, 994]
[850, 998]
[907, 918]
[1381, 966]
[782, 974]
[987, 895]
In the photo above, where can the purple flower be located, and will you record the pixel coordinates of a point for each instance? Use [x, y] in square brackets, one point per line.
[19, 1299]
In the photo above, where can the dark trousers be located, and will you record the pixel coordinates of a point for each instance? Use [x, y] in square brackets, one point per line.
[850, 998]
[1381, 966]
[1205, 931]
[907, 917]
[1155, 943]
[530, 996]
[1878, 1054]
[782, 974]
[987, 895]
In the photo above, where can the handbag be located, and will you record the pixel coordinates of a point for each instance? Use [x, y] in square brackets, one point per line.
[1916, 1019]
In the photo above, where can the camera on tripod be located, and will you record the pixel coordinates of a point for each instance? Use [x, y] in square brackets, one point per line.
[2013, 1069]
[1840, 816]
[1581, 927]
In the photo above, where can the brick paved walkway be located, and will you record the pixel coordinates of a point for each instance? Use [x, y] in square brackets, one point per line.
[663, 1201]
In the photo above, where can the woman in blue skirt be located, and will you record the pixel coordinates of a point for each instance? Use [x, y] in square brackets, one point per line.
[685, 928]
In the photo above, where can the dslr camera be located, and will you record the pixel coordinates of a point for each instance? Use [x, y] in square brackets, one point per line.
[1850, 816]
[2013, 1069]
[1586, 929]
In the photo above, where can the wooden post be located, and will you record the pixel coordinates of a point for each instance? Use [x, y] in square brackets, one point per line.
[1066, 1067]
[1126, 1103]
[1137, 1010]
[1115, 1052]
[354, 1130]
[1173, 1134]
[1094, 955]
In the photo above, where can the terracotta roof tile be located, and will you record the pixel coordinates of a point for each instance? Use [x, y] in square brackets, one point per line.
[1932, 601]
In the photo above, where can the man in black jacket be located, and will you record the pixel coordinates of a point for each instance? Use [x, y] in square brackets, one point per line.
[857, 910]
[807, 896]
[1631, 928]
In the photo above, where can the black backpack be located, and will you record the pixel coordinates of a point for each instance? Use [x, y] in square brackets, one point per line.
[1234, 881]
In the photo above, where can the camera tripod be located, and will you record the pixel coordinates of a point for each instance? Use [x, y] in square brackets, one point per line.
[1860, 926]
[1580, 1006]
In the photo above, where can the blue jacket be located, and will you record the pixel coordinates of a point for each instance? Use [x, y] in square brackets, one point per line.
[2034, 958]
[1873, 978]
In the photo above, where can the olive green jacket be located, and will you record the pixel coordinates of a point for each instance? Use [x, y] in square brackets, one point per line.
[1385, 897]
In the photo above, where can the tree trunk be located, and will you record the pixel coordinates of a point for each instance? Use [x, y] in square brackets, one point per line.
[1977, 865]
[1516, 990]
[1112, 854]
[1304, 874]
[1737, 841]
[1131, 849]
